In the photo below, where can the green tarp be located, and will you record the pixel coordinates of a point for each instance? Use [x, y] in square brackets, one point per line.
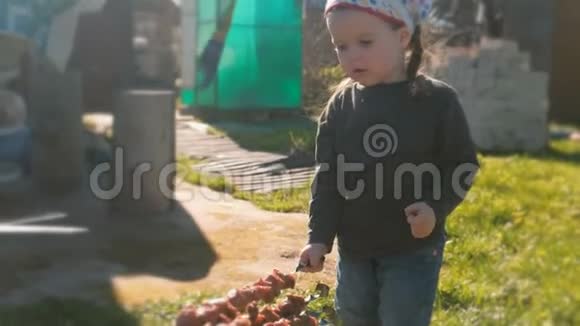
[253, 63]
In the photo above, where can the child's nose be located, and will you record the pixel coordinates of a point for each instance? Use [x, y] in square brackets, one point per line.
[357, 55]
[353, 55]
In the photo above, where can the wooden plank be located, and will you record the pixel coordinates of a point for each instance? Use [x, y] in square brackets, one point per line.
[295, 172]
[203, 141]
[202, 145]
[259, 156]
[272, 189]
[266, 179]
[263, 186]
[235, 166]
[265, 170]
[205, 150]
[202, 149]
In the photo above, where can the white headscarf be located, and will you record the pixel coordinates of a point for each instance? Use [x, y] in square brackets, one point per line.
[408, 13]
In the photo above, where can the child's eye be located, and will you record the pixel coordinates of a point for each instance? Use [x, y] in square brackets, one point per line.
[340, 48]
[366, 43]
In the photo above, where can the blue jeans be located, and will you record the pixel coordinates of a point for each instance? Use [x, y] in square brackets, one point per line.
[395, 290]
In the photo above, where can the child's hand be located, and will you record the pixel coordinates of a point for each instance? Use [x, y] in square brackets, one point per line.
[311, 257]
[421, 217]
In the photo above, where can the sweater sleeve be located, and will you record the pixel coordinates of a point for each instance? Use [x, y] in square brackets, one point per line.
[326, 201]
[456, 160]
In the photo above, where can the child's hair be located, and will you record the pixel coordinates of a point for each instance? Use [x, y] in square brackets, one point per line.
[414, 62]
[416, 57]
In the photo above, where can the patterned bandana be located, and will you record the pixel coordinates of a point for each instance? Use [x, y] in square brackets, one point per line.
[408, 13]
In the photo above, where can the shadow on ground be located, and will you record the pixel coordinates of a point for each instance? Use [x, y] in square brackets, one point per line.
[60, 256]
[278, 135]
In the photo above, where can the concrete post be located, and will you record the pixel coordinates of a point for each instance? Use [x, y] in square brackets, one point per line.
[144, 136]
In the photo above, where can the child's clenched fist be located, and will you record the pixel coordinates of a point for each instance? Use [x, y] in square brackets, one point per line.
[422, 219]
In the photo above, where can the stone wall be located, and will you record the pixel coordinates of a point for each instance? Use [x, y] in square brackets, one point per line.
[506, 103]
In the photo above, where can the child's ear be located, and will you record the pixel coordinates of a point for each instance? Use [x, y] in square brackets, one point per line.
[404, 37]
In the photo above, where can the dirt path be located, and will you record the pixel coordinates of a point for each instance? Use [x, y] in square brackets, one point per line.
[249, 243]
[210, 243]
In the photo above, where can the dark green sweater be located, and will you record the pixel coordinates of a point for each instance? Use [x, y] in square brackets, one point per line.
[407, 148]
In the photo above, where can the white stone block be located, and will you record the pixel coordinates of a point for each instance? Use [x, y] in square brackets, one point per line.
[535, 84]
[508, 90]
[487, 58]
[505, 104]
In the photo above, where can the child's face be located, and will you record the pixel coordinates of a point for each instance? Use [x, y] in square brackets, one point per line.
[369, 50]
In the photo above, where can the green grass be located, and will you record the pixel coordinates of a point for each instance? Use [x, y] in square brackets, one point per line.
[164, 312]
[514, 252]
[213, 181]
[285, 201]
[564, 126]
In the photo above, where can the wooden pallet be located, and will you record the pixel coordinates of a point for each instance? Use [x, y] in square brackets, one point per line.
[251, 171]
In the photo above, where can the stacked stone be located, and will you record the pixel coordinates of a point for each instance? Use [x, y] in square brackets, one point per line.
[506, 103]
